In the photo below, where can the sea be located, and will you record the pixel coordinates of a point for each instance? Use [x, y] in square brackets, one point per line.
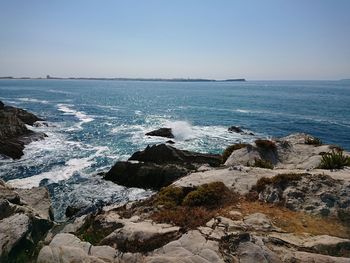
[91, 124]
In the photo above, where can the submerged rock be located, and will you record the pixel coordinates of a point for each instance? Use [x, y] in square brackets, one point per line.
[236, 129]
[162, 132]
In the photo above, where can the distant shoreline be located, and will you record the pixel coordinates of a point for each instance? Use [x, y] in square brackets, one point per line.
[130, 79]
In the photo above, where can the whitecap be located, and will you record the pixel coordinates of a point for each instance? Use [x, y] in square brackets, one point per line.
[56, 174]
[182, 130]
[82, 116]
[60, 91]
[33, 100]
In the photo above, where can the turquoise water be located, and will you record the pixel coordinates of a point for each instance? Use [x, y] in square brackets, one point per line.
[92, 124]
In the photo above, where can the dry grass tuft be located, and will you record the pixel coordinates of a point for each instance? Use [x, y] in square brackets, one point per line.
[265, 144]
[185, 217]
[297, 222]
[280, 180]
[190, 208]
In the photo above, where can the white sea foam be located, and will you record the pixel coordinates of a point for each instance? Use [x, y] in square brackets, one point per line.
[56, 174]
[61, 172]
[82, 116]
[187, 136]
[182, 130]
[60, 91]
[33, 100]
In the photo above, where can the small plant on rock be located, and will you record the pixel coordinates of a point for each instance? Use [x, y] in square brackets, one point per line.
[313, 141]
[266, 164]
[208, 195]
[230, 149]
[334, 160]
[170, 196]
[265, 144]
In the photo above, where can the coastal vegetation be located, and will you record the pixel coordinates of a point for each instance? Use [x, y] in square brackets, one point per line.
[265, 144]
[313, 141]
[261, 163]
[192, 207]
[334, 160]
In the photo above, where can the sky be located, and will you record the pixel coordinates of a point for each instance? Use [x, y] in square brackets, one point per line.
[219, 39]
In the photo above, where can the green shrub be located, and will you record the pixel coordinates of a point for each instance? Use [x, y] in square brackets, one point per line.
[232, 148]
[334, 160]
[170, 196]
[265, 144]
[266, 164]
[313, 141]
[208, 195]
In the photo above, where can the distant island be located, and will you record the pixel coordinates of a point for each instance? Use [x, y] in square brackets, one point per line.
[130, 79]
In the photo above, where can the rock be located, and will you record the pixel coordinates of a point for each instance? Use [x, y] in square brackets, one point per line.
[163, 153]
[6, 209]
[290, 152]
[12, 230]
[25, 218]
[23, 115]
[170, 142]
[249, 252]
[71, 211]
[258, 221]
[144, 175]
[312, 193]
[13, 132]
[162, 132]
[300, 256]
[70, 249]
[143, 236]
[236, 129]
[158, 166]
[13, 149]
[191, 247]
[38, 200]
[9, 194]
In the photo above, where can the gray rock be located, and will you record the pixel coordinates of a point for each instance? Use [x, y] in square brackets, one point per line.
[13, 132]
[12, 230]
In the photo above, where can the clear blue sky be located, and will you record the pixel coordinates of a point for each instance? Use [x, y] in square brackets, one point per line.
[261, 39]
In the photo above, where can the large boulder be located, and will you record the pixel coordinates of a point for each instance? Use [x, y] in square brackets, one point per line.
[25, 218]
[163, 153]
[158, 166]
[23, 115]
[291, 152]
[70, 249]
[13, 131]
[144, 175]
[162, 132]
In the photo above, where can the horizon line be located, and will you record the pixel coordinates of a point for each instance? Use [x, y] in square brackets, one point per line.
[179, 79]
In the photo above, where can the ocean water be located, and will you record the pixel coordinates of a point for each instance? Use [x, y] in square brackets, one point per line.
[93, 124]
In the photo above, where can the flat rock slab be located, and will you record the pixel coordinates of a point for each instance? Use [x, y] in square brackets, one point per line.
[192, 247]
[70, 249]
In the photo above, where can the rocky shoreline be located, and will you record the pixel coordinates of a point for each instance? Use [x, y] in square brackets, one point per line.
[270, 201]
[14, 134]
